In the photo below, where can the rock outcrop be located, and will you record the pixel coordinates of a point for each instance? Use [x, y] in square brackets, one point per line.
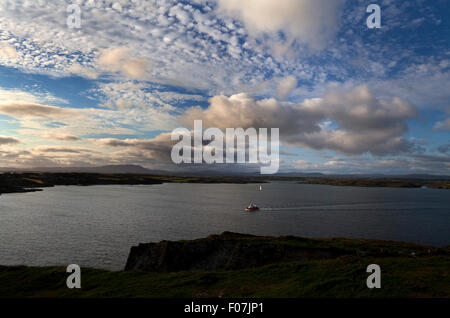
[231, 251]
[224, 252]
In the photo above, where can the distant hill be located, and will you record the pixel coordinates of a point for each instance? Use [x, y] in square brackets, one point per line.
[193, 171]
[121, 169]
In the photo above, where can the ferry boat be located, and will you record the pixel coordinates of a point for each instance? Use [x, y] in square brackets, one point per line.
[251, 208]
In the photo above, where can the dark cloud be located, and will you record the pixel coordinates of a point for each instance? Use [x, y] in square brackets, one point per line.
[8, 141]
[62, 137]
[156, 149]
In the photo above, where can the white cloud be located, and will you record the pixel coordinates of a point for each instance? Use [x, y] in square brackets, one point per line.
[83, 71]
[443, 125]
[311, 21]
[8, 53]
[20, 96]
[244, 46]
[19, 109]
[119, 60]
[286, 86]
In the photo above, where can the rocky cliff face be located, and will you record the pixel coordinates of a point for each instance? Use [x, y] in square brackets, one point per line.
[230, 251]
[226, 251]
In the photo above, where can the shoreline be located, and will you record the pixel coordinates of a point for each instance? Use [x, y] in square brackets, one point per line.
[31, 182]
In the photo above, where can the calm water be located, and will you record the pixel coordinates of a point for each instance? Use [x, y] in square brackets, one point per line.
[96, 226]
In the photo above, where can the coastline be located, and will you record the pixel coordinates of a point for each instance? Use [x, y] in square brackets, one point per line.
[31, 182]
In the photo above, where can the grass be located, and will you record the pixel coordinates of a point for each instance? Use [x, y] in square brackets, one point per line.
[341, 277]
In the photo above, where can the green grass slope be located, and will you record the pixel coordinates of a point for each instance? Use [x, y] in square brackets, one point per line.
[342, 277]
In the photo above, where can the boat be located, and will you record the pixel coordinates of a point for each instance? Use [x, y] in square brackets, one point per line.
[252, 207]
[260, 188]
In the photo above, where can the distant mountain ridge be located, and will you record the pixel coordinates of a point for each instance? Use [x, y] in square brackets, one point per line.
[137, 169]
[120, 169]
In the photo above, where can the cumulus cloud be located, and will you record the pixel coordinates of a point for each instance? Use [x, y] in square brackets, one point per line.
[286, 85]
[120, 60]
[311, 21]
[244, 46]
[350, 122]
[242, 110]
[364, 124]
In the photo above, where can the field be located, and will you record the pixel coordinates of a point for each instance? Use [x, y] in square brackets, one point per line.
[407, 270]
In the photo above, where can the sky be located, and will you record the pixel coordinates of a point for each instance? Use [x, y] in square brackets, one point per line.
[346, 98]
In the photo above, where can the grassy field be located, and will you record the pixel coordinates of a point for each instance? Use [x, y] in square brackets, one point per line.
[407, 270]
[346, 277]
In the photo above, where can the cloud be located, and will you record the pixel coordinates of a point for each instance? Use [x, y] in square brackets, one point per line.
[370, 165]
[83, 71]
[8, 141]
[443, 125]
[242, 110]
[311, 21]
[20, 96]
[221, 47]
[38, 121]
[444, 148]
[50, 157]
[61, 149]
[141, 150]
[359, 123]
[350, 122]
[33, 110]
[120, 60]
[61, 137]
[8, 53]
[285, 86]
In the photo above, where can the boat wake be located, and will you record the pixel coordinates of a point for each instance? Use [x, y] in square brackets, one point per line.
[315, 207]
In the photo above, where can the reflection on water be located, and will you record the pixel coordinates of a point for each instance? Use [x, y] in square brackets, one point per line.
[96, 226]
